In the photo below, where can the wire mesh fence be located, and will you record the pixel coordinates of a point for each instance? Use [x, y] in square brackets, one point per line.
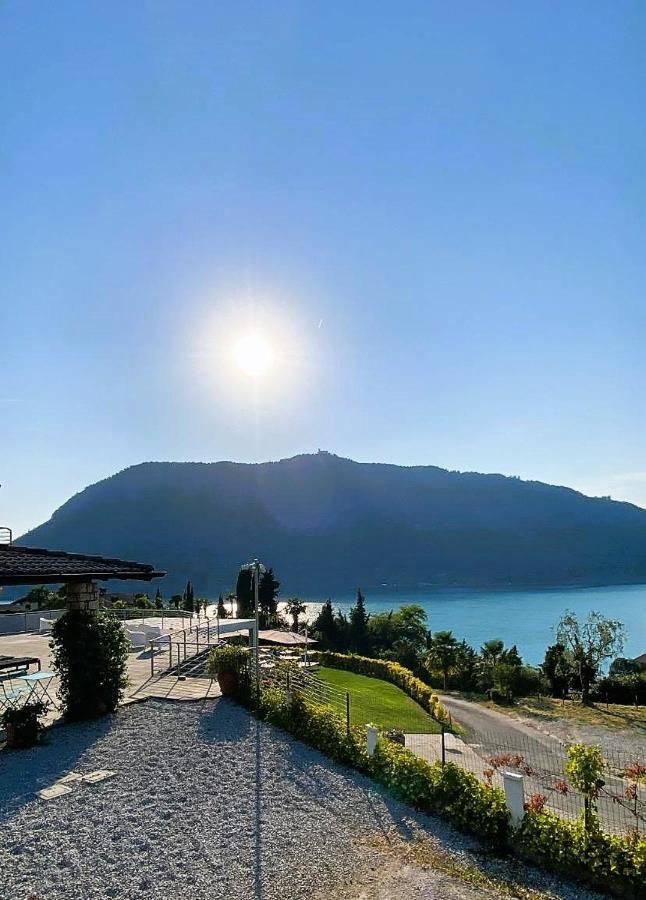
[621, 801]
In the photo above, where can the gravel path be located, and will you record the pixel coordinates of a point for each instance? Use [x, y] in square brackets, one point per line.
[209, 803]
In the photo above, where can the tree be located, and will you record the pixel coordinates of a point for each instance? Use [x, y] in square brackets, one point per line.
[295, 608]
[359, 637]
[466, 666]
[268, 589]
[188, 598]
[590, 644]
[142, 601]
[492, 651]
[623, 666]
[326, 629]
[245, 602]
[176, 601]
[442, 654]
[159, 602]
[39, 598]
[557, 668]
[221, 612]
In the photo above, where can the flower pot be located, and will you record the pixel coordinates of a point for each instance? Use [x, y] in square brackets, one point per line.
[22, 735]
[228, 682]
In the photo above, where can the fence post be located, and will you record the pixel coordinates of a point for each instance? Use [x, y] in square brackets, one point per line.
[179, 671]
[152, 660]
[208, 631]
[347, 711]
[184, 633]
[443, 747]
[371, 736]
[514, 795]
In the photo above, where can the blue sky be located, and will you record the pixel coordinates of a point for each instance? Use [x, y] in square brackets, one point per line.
[434, 211]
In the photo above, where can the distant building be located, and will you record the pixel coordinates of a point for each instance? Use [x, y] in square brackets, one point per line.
[641, 661]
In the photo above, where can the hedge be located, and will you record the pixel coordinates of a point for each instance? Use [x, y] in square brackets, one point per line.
[615, 864]
[605, 861]
[388, 671]
[448, 791]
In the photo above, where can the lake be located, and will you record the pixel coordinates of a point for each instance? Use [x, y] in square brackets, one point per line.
[522, 617]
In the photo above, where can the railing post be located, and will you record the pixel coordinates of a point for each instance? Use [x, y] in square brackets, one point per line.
[347, 711]
[184, 633]
[152, 660]
[443, 746]
[179, 671]
[208, 631]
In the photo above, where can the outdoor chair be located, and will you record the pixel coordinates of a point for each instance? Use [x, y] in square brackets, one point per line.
[11, 693]
[45, 625]
[138, 639]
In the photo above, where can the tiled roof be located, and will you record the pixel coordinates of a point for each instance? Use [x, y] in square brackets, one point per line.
[29, 565]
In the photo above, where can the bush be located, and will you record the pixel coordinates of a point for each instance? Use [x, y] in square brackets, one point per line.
[227, 658]
[90, 652]
[389, 671]
[617, 864]
[448, 791]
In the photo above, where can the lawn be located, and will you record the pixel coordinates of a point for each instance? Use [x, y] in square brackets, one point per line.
[376, 701]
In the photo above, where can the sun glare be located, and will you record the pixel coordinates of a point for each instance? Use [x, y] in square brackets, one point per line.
[253, 355]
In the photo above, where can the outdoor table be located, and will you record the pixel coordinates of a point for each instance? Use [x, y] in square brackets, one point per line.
[10, 665]
[39, 682]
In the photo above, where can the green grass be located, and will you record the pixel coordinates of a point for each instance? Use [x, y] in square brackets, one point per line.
[380, 703]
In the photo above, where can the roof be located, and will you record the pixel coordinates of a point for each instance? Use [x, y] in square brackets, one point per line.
[641, 660]
[30, 565]
[284, 637]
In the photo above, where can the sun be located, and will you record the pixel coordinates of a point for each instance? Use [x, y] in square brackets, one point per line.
[253, 355]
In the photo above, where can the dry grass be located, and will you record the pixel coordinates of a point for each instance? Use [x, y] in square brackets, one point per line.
[613, 717]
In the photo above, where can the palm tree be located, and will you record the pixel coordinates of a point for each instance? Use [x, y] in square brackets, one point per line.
[442, 653]
[295, 608]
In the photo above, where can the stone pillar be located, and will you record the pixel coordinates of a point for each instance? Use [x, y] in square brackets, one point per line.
[83, 596]
[515, 795]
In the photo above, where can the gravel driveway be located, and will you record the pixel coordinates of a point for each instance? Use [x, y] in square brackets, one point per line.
[209, 803]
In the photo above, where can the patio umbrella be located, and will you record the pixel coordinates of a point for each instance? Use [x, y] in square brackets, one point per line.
[286, 638]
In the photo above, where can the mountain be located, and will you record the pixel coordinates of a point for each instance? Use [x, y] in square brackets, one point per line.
[329, 524]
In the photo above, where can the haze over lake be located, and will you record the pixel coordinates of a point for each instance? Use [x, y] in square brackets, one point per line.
[522, 617]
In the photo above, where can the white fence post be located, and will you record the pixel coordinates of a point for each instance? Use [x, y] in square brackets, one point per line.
[515, 795]
[371, 735]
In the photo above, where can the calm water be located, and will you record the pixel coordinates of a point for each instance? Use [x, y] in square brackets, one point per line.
[526, 618]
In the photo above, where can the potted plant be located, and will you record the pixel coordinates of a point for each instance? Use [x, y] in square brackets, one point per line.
[225, 662]
[21, 723]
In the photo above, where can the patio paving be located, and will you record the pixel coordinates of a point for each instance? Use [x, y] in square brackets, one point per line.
[141, 684]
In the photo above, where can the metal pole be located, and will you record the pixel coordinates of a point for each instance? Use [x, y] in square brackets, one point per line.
[208, 631]
[256, 599]
[184, 633]
[347, 711]
[152, 661]
[179, 671]
[443, 747]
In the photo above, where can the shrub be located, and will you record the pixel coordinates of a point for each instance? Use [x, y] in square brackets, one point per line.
[227, 658]
[603, 860]
[447, 790]
[389, 671]
[90, 652]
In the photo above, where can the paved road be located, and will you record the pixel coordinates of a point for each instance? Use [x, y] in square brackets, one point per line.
[478, 721]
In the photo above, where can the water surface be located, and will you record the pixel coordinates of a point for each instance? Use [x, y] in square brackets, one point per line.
[523, 617]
